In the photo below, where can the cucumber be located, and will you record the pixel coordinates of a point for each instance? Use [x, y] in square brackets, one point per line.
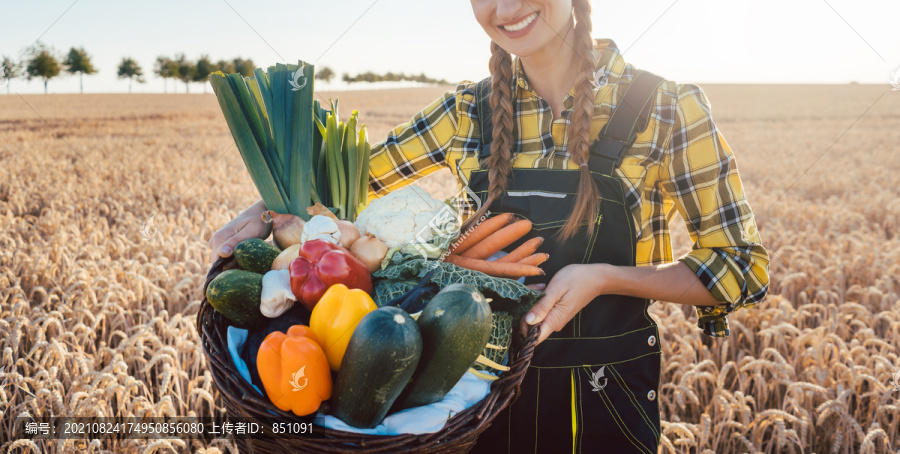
[382, 355]
[455, 327]
[236, 295]
[255, 255]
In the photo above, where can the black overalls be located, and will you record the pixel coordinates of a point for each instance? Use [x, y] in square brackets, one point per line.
[592, 387]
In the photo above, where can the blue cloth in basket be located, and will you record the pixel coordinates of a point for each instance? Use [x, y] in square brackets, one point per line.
[236, 339]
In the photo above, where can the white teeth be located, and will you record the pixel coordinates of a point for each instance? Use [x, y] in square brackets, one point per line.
[525, 22]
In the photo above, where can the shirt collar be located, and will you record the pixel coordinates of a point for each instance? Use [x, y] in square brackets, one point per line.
[608, 66]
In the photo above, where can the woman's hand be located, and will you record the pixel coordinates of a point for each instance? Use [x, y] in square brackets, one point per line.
[572, 288]
[246, 225]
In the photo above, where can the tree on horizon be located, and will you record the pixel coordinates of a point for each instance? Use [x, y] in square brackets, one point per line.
[186, 71]
[202, 71]
[78, 61]
[325, 74]
[244, 67]
[227, 67]
[130, 69]
[43, 64]
[370, 76]
[9, 70]
[164, 67]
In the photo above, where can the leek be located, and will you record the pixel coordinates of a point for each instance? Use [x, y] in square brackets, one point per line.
[270, 116]
[301, 157]
[297, 152]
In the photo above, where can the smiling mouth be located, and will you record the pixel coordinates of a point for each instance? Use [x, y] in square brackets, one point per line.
[521, 24]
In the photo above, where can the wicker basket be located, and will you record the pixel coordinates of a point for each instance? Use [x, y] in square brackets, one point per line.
[241, 400]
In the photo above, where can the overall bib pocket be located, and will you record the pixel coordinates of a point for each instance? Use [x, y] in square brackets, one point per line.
[547, 203]
[620, 396]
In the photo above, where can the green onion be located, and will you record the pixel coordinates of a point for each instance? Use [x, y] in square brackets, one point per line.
[352, 162]
[364, 150]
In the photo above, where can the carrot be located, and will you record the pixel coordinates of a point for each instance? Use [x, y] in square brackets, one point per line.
[524, 250]
[482, 231]
[535, 259]
[499, 240]
[511, 270]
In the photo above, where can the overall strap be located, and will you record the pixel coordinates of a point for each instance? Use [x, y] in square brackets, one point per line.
[485, 116]
[631, 116]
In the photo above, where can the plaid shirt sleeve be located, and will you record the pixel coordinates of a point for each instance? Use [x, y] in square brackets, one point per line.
[416, 148]
[701, 176]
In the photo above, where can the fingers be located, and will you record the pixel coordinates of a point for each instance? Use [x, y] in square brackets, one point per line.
[540, 310]
[552, 322]
[221, 244]
[227, 247]
[544, 312]
[523, 327]
[546, 331]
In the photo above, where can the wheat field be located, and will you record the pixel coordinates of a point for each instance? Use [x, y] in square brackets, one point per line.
[107, 202]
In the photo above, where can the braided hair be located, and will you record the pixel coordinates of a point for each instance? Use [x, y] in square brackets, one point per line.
[499, 165]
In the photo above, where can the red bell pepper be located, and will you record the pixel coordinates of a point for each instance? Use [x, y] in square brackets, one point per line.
[322, 264]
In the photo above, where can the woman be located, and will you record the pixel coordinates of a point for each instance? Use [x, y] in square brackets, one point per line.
[528, 140]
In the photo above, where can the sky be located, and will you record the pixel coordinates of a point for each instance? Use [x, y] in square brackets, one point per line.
[696, 41]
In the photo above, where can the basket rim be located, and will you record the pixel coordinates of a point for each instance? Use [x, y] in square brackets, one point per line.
[242, 399]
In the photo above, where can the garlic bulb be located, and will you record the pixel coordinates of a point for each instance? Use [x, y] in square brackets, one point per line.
[321, 228]
[277, 296]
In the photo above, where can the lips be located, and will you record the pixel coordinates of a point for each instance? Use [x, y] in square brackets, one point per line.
[521, 24]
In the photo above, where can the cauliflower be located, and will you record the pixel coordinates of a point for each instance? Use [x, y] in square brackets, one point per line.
[401, 217]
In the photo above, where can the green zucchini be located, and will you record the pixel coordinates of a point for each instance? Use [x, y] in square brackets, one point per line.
[382, 355]
[255, 255]
[236, 295]
[455, 327]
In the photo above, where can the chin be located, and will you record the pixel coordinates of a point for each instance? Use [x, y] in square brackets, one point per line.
[522, 48]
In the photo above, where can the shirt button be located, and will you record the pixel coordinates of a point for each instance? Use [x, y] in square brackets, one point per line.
[651, 395]
[651, 341]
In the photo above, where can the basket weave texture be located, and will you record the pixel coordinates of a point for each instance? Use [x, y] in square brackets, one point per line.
[241, 400]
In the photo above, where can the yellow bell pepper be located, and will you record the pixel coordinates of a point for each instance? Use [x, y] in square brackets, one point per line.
[335, 317]
[294, 371]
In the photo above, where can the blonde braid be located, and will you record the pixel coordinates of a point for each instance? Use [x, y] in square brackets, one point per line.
[579, 130]
[498, 163]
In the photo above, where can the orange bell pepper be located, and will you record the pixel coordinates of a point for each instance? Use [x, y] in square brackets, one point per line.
[335, 317]
[294, 370]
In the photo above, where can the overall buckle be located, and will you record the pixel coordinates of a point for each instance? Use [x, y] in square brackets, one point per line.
[612, 149]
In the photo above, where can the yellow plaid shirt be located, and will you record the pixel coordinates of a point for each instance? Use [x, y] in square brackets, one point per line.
[681, 162]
